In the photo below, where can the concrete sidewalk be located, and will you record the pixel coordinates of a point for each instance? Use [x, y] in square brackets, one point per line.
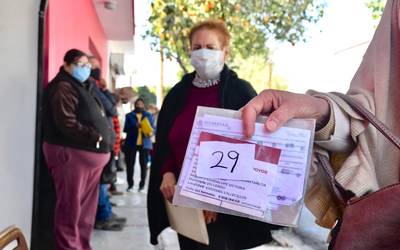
[135, 235]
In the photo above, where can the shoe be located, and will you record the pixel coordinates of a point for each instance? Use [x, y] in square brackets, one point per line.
[116, 192]
[121, 220]
[120, 169]
[142, 190]
[109, 225]
[130, 190]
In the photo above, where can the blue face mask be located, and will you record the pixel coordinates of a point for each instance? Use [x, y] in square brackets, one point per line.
[80, 73]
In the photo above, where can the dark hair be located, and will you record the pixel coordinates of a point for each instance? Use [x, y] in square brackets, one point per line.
[73, 55]
[139, 100]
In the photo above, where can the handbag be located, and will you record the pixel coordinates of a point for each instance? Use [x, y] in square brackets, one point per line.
[371, 221]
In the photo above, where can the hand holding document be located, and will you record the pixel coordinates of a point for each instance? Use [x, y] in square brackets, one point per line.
[262, 177]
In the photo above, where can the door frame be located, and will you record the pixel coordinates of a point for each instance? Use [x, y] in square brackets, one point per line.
[43, 41]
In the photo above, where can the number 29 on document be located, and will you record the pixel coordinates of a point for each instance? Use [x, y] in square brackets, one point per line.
[233, 155]
[225, 160]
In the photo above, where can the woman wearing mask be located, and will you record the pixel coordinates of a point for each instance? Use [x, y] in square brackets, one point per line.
[137, 141]
[77, 139]
[213, 84]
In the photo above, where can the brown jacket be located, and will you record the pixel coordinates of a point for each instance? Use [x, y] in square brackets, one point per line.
[74, 116]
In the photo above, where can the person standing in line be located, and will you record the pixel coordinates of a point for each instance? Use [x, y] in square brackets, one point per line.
[120, 119]
[105, 218]
[137, 141]
[154, 111]
[212, 84]
[77, 142]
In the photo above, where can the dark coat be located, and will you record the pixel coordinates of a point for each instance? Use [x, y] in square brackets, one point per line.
[132, 131]
[234, 94]
[73, 115]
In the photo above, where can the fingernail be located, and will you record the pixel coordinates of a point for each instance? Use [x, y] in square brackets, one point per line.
[272, 125]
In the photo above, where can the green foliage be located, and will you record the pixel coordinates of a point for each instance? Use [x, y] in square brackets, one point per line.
[166, 89]
[376, 7]
[147, 95]
[257, 71]
[251, 24]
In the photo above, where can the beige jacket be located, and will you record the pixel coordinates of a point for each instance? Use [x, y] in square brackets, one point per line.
[366, 161]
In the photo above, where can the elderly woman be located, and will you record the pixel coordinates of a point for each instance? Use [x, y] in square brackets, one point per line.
[370, 161]
[212, 84]
[77, 143]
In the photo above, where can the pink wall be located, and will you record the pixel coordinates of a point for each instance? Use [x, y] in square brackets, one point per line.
[70, 25]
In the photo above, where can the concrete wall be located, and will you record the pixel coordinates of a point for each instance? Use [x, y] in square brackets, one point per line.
[18, 71]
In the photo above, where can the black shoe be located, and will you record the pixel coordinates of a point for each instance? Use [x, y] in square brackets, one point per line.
[121, 220]
[141, 185]
[109, 225]
[130, 190]
[142, 190]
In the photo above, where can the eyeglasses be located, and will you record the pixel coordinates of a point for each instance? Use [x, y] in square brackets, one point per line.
[83, 65]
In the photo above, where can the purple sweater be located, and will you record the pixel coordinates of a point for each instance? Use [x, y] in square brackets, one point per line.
[180, 132]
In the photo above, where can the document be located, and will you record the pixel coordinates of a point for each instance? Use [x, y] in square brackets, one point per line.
[242, 196]
[146, 127]
[251, 176]
[188, 222]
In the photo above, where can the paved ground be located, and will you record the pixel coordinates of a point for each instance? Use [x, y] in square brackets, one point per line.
[135, 235]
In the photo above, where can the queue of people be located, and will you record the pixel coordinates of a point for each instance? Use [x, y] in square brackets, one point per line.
[79, 140]
[81, 146]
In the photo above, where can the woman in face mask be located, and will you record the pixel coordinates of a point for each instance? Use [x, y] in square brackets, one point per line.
[77, 142]
[212, 84]
[137, 140]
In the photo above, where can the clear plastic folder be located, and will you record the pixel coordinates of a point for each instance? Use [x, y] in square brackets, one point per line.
[262, 178]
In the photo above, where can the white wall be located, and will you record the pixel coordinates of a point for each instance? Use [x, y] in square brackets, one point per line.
[18, 69]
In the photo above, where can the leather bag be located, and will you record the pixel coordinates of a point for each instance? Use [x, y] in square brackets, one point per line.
[371, 221]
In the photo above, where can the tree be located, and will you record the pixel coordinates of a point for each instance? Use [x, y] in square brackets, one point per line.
[145, 93]
[258, 71]
[150, 93]
[251, 23]
[376, 6]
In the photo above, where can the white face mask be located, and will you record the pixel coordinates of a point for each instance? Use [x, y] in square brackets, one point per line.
[208, 63]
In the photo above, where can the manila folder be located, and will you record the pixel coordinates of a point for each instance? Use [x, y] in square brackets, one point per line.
[188, 222]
